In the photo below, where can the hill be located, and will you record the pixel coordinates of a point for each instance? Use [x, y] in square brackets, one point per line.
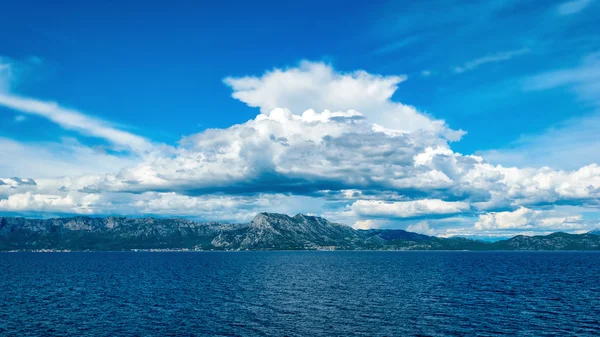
[267, 231]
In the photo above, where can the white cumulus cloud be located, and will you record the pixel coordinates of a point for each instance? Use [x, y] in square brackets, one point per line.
[421, 227]
[525, 218]
[407, 209]
[324, 141]
[319, 87]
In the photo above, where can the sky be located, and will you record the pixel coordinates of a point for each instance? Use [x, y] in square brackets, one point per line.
[449, 118]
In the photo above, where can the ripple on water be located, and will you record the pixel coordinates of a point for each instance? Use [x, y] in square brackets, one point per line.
[300, 294]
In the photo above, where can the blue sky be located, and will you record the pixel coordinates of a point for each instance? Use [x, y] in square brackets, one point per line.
[518, 77]
[135, 65]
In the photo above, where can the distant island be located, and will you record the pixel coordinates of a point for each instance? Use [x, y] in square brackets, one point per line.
[267, 231]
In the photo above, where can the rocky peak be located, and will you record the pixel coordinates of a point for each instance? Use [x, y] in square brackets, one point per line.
[302, 217]
[265, 220]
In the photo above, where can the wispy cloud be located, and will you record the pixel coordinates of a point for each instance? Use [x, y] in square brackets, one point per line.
[76, 121]
[6, 74]
[572, 7]
[494, 58]
[56, 159]
[12, 71]
[568, 146]
[583, 80]
[396, 45]
[574, 142]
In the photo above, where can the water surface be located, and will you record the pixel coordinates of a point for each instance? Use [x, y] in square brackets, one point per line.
[300, 294]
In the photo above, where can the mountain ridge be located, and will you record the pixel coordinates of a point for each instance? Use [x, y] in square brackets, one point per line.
[266, 231]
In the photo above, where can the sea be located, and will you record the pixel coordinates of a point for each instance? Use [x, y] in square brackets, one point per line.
[329, 293]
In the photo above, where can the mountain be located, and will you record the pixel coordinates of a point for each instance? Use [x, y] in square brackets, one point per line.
[267, 231]
[554, 241]
[113, 233]
[279, 231]
[595, 232]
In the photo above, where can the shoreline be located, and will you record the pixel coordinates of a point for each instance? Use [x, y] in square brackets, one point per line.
[298, 250]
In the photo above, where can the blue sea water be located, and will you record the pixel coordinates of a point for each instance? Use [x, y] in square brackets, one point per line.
[300, 294]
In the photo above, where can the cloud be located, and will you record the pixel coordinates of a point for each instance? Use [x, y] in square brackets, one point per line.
[570, 144]
[226, 208]
[367, 161]
[421, 227]
[319, 87]
[20, 118]
[572, 7]
[367, 224]
[6, 74]
[75, 120]
[29, 201]
[583, 80]
[311, 153]
[494, 58]
[56, 159]
[525, 218]
[12, 72]
[396, 45]
[407, 209]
